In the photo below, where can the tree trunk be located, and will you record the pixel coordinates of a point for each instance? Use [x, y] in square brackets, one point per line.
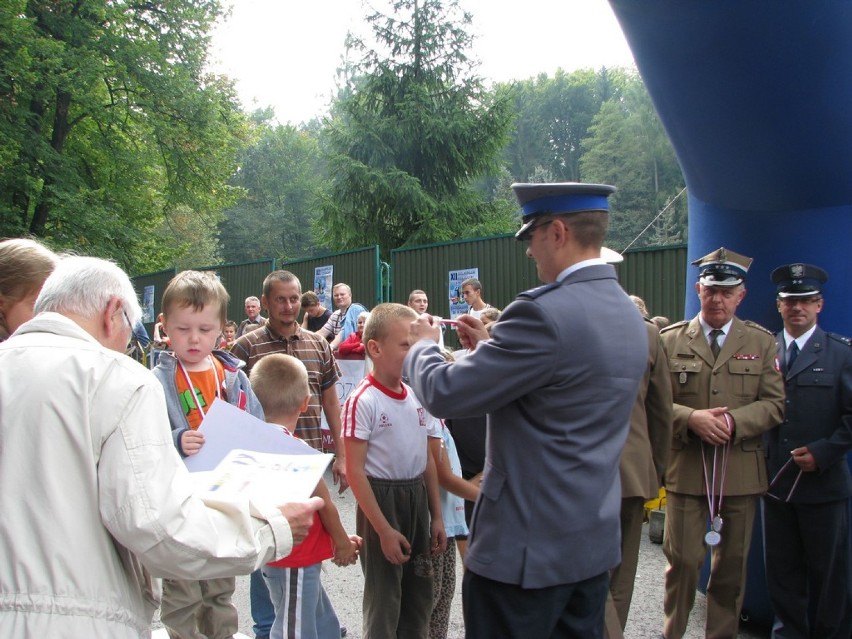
[61, 128]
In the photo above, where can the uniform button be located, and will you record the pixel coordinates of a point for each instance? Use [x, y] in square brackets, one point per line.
[715, 391]
[715, 372]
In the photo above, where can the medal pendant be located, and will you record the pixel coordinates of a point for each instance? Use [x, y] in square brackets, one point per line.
[712, 538]
[682, 378]
[717, 523]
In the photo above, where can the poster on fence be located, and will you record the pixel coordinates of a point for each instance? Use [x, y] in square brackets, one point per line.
[457, 304]
[352, 372]
[148, 304]
[323, 278]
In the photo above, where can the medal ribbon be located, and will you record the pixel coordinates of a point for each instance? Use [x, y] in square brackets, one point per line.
[711, 486]
[778, 475]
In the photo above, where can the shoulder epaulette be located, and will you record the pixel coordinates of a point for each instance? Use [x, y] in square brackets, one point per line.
[533, 293]
[751, 324]
[675, 325]
[840, 338]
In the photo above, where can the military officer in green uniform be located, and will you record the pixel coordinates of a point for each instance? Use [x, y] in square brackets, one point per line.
[727, 392]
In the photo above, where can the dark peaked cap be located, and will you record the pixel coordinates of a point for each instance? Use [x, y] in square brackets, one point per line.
[799, 280]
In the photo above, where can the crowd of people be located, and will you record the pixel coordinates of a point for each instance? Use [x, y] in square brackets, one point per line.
[530, 451]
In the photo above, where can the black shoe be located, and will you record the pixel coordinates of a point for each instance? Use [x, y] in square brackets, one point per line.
[342, 631]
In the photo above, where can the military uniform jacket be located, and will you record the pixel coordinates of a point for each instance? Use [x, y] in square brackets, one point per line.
[646, 453]
[557, 379]
[744, 378]
[819, 416]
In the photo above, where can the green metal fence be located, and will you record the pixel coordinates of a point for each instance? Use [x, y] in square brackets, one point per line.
[360, 269]
[152, 284]
[242, 281]
[658, 275]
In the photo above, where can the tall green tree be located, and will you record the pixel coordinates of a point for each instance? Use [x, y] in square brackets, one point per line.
[413, 127]
[283, 178]
[109, 124]
[628, 147]
[553, 116]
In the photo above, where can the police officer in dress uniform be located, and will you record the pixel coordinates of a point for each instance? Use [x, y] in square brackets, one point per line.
[727, 393]
[557, 379]
[806, 511]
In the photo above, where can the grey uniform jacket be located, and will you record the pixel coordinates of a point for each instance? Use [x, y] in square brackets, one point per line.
[819, 416]
[558, 379]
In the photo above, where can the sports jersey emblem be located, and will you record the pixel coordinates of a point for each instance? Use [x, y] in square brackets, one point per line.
[384, 420]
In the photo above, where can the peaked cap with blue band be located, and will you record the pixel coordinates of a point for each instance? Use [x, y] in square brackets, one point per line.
[560, 198]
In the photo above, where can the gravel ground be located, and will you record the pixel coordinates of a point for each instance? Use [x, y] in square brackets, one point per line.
[345, 588]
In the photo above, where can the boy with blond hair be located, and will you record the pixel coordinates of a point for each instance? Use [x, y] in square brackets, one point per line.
[302, 607]
[393, 478]
[193, 375]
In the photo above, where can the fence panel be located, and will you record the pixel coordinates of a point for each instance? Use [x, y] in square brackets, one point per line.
[242, 281]
[360, 269]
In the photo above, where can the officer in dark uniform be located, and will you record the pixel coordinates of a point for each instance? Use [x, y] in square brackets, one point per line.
[806, 511]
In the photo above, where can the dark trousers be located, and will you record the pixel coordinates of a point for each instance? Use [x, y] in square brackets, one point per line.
[568, 611]
[808, 569]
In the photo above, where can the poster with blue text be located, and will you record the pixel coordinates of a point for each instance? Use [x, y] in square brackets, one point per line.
[457, 304]
[323, 277]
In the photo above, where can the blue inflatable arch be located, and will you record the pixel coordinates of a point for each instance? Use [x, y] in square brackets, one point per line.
[756, 96]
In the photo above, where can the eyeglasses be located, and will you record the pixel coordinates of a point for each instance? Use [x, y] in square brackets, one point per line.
[132, 342]
[527, 235]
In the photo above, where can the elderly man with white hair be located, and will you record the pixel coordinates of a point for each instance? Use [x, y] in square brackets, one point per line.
[95, 499]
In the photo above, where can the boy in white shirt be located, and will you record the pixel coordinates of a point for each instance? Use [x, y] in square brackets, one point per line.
[393, 477]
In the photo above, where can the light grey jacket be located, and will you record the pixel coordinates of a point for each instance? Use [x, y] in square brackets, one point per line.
[94, 497]
[237, 390]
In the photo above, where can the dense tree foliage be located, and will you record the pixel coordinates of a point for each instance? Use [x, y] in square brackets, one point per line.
[112, 136]
[413, 127]
[628, 147]
[552, 117]
[283, 177]
[115, 141]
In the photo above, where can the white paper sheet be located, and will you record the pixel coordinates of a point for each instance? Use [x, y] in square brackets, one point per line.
[269, 478]
[226, 428]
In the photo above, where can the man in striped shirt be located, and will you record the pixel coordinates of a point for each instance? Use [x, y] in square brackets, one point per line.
[282, 297]
[282, 334]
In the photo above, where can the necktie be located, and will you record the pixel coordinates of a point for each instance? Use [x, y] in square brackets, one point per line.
[792, 354]
[714, 341]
